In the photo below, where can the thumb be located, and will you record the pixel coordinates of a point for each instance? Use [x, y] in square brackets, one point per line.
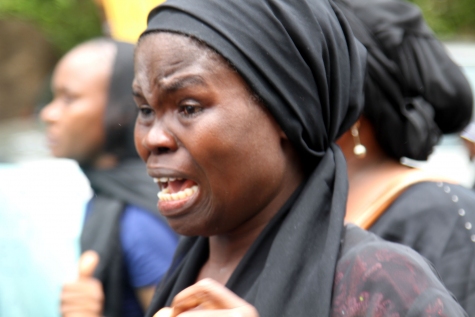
[88, 263]
[164, 312]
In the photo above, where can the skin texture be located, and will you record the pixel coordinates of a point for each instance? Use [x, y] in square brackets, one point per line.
[368, 176]
[199, 121]
[75, 117]
[75, 130]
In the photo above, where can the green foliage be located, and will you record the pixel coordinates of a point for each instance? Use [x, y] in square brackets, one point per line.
[449, 18]
[64, 22]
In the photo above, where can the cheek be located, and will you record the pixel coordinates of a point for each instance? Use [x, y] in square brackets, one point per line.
[239, 152]
[139, 134]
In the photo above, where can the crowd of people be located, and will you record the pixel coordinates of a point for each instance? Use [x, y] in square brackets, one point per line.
[271, 133]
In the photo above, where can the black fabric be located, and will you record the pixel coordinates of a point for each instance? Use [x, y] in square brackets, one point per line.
[438, 221]
[301, 58]
[377, 278]
[412, 85]
[128, 183]
[101, 233]
[121, 111]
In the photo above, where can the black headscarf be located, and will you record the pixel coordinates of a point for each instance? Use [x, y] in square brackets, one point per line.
[301, 58]
[121, 110]
[414, 91]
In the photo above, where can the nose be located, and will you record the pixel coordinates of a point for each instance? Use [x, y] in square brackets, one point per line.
[159, 139]
[51, 112]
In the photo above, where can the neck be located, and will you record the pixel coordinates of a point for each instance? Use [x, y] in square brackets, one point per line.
[367, 176]
[227, 250]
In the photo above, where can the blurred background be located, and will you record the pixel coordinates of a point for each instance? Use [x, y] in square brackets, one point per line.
[42, 199]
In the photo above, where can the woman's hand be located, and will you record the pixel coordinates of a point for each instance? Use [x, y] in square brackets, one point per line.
[208, 298]
[83, 297]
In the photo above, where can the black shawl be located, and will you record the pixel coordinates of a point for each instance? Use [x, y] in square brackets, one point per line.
[301, 58]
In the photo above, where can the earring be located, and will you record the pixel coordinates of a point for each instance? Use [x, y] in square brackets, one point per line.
[359, 149]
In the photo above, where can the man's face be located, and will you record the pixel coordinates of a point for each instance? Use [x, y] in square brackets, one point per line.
[75, 117]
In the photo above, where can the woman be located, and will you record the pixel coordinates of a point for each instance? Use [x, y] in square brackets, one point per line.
[408, 105]
[91, 120]
[240, 104]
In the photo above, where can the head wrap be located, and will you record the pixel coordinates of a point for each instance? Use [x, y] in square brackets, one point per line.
[121, 111]
[301, 58]
[414, 91]
[297, 57]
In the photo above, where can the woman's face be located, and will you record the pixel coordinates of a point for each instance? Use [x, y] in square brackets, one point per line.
[220, 159]
[75, 117]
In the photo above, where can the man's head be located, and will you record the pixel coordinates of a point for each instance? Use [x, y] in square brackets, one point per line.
[75, 117]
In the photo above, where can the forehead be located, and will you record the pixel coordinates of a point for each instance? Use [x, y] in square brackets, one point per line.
[161, 56]
[83, 67]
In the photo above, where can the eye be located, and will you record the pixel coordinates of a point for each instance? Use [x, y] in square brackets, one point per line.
[190, 110]
[68, 99]
[145, 112]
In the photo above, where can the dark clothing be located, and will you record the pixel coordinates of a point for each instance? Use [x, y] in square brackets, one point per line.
[438, 221]
[375, 278]
[147, 246]
[372, 278]
[114, 189]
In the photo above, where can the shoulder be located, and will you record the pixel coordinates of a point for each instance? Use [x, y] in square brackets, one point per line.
[374, 277]
[429, 212]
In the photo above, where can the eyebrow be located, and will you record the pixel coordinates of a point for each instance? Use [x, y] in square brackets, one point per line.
[183, 82]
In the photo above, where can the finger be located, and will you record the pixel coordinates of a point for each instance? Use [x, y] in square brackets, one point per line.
[164, 312]
[81, 310]
[83, 296]
[88, 263]
[206, 294]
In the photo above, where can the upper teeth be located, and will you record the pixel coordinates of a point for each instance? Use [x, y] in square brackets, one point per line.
[166, 179]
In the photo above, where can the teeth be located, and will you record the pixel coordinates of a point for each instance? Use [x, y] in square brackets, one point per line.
[166, 179]
[165, 194]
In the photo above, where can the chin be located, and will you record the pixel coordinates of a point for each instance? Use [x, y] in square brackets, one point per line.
[191, 228]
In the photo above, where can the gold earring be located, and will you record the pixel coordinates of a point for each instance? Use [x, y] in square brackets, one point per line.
[359, 149]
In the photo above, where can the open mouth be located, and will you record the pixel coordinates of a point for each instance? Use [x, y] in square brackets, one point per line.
[175, 189]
